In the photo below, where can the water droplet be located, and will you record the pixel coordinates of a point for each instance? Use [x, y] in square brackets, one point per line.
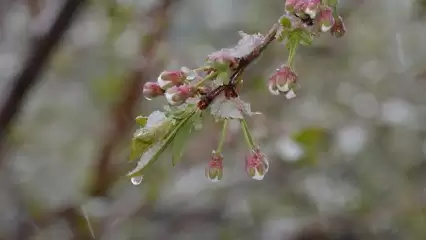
[147, 98]
[191, 75]
[136, 180]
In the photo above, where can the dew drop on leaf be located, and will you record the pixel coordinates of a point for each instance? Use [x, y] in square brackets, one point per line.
[136, 180]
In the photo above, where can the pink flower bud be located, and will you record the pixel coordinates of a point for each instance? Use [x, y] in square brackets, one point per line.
[214, 170]
[282, 80]
[325, 19]
[168, 79]
[257, 164]
[290, 4]
[152, 90]
[179, 94]
[338, 29]
[312, 8]
[300, 8]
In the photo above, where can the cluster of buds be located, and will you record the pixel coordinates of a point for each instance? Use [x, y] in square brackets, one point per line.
[283, 81]
[320, 13]
[174, 85]
[256, 165]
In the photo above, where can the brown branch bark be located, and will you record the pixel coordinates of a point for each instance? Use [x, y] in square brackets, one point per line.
[33, 66]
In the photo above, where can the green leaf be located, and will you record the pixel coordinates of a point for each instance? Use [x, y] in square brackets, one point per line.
[155, 150]
[138, 148]
[304, 37]
[285, 22]
[223, 77]
[313, 141]
[181, 138]
[141, 121]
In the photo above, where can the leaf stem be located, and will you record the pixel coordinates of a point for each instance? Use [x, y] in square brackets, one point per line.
[222, 136]
[292, 50]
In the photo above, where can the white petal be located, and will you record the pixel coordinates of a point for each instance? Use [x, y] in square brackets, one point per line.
[257, 175]
[290, 95]
[216, 179]
[272, 90]
[169, 97]
[311, 12]
[163, 84]
[325, 28]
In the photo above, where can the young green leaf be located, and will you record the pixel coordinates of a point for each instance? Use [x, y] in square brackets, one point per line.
[285, 22]
[305, 37]
[141, 121]
[138, 148]
[155, 150]
[181, 138]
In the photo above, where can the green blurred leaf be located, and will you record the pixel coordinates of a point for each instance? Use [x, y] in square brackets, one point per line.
[312, 140]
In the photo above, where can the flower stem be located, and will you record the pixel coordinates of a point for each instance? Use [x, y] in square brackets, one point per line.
[292, 50]
[247, 134]
[222, 136]
[207, 78]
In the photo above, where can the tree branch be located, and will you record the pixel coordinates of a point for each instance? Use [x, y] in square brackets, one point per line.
[34, 65]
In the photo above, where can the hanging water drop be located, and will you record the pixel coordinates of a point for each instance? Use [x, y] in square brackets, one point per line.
[136, 180]
[191, 75]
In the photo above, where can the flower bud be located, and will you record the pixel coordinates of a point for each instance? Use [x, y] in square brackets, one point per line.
[338, 29]
[325, 19]
[312, 8]
[290, 4]
[152, 90]
[168, 79]
[257, 164]
[282, 80]
[300, 8]
[178, 94]
[214, 170]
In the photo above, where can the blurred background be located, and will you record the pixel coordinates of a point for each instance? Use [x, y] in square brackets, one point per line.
[347, 155]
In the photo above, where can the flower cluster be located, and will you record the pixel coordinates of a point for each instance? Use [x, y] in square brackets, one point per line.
[174, 85]
[320, 14]
[215, 87]
[302, 22]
